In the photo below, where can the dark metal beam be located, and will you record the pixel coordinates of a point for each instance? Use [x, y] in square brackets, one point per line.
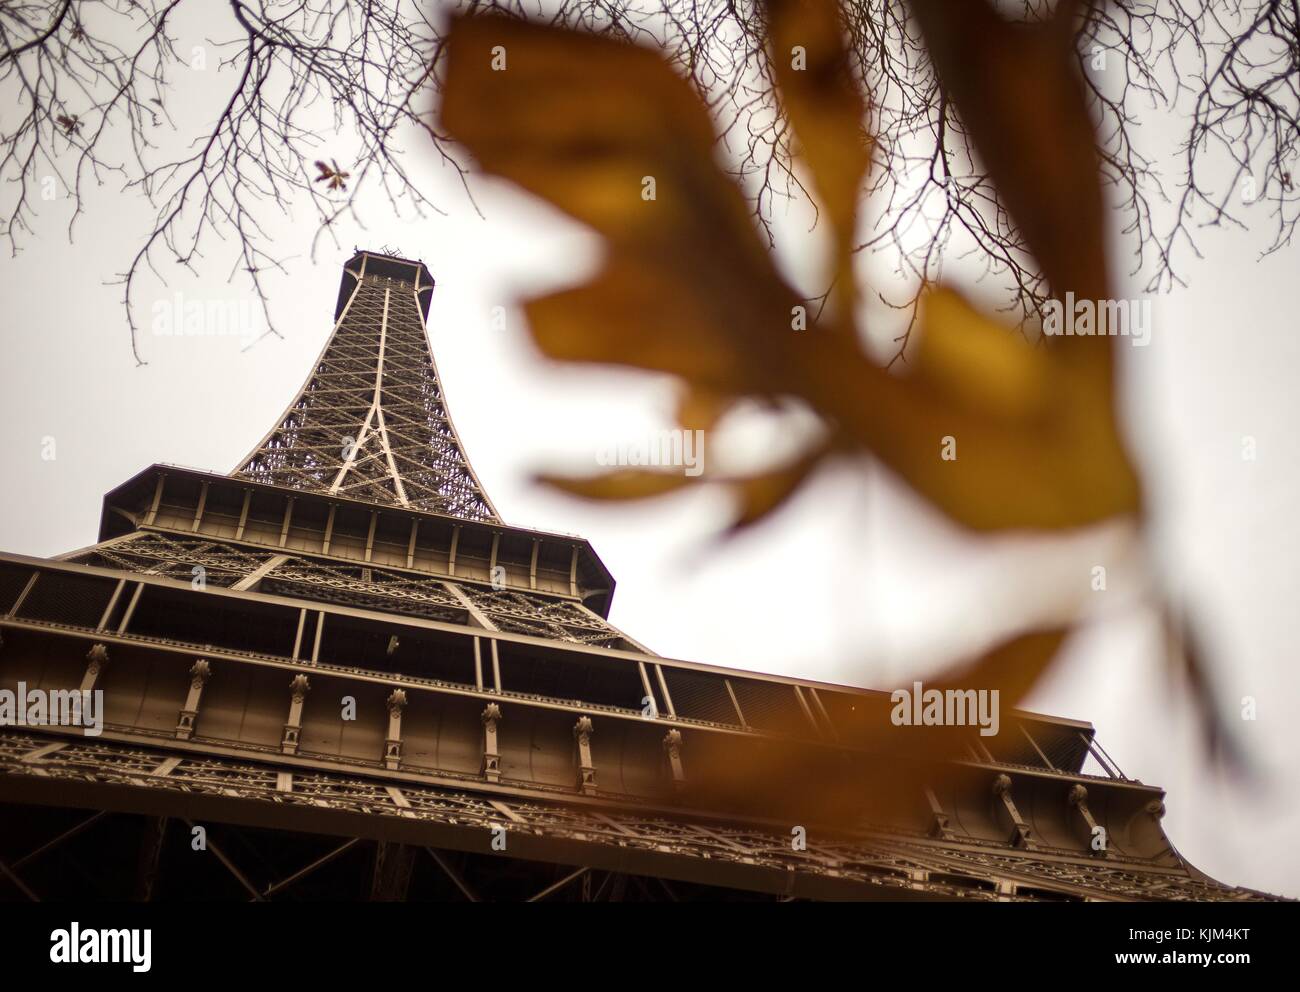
[230, 865]
[672, 896]
[307, 870]
[465, 890]
[556, 886]
[22, 887]
[343, 823]
[609, 876]
[66, 835]
[151, 847]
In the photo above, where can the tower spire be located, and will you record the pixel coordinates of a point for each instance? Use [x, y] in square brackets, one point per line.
[370, 422]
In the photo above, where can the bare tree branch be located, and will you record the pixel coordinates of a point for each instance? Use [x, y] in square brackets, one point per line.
[87, 89]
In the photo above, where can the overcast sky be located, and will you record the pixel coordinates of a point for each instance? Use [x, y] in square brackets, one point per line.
[857, 582]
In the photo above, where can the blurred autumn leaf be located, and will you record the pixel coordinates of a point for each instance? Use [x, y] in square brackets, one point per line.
[624, 485]
[609, 133]
[820, 786]
[824, 104]
[689, 289]
[1017, 88]
[1185, 659]
[1037, 439]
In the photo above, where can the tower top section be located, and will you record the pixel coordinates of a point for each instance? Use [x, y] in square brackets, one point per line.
[384, 265]
[371, 422]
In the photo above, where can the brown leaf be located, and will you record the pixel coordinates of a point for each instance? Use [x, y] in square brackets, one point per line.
[582, 120]
[1186, 658]
[825, 786]
[1017, 89]
[647, 316]
[1034, 439]
[331, 174]
[758, 496]
[609, 133]
[688, 288]
[979, 363]
[1046, 454]
[631, 484]
[699, 409]
[824, 103]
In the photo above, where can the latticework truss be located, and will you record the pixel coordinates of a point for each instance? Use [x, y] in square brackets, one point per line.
[370, 422]
[892, 866]
[541, 616]
[227, 565]
[354, 556]
[151, 553]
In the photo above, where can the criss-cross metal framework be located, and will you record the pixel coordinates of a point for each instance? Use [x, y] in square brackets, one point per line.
[370, 422]
[354, 558]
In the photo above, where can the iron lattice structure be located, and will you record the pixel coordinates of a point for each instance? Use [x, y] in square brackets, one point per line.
[343, 664]
[370, 421]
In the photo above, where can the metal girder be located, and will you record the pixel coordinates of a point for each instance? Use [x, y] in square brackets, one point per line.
[452, 874]
[151, 847]
[8, 873]
[228, 790]
[230, 866]
[556, 886]
[306, 870]
[68, 834]
[672, 896]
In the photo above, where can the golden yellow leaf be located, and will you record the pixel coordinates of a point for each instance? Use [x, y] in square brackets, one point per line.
[756, 496]
[1065, 467]
[689, 289]
[824, 104]
[646, 315]
[820, 784]
[570, 116]
[978, 363]
[699, 409]
[609, 133]
[760, 495]
[1017, 90]
[629, 484]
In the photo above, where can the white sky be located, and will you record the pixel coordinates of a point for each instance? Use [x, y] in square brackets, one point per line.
[856, 582]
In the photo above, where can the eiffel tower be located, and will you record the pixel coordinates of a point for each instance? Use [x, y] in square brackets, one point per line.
[336, 673]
